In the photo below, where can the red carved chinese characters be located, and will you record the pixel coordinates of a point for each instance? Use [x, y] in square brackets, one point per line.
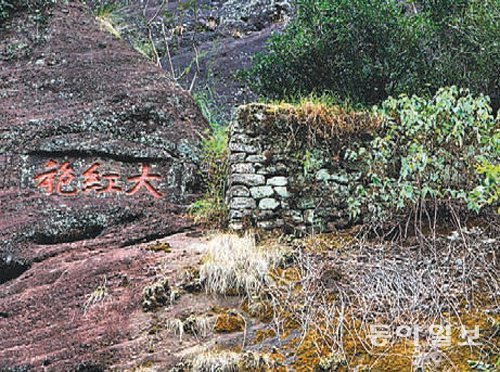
[92, 178]
[46, 179]
[61, 179]
[66, 177]
[111, 185]
[58, 177]
[143, 181]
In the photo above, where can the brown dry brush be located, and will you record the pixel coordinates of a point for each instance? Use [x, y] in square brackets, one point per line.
[318, 121]
[340, 293]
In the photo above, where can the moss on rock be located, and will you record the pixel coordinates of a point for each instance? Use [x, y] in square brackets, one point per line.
[229, 322]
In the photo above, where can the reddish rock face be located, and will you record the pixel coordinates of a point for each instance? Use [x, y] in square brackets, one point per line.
[98, 152]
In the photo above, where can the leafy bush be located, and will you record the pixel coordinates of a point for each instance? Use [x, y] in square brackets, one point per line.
[489, 191]
[444, 150]
[367, 50]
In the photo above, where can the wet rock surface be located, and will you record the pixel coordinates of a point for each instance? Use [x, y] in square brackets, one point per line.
[98, 154]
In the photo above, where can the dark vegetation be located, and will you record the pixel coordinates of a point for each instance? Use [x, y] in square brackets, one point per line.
[211, 209]
[7, 7]
[364, 52]
[367, 50]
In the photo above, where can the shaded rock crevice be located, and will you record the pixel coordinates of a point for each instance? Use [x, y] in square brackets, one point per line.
[149, 238]
[10, 270]
[69, 236]
[124, 158]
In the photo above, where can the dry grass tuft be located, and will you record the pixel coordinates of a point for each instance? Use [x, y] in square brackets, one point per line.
[98, 295]
[324, 121]
[198, 326]
[228, 361]
[216, 361]
[236, 265]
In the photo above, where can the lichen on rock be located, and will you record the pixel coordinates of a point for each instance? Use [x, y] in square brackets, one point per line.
[156, 295]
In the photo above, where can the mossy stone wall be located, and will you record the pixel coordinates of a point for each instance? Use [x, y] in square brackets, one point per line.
[288, 168]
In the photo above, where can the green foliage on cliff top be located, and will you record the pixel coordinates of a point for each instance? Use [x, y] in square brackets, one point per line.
[366, 50]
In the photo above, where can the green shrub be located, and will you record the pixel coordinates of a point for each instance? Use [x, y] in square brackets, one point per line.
[109, 17]
[211, 208]
[443, 151]
[366, 50]
[489, 191]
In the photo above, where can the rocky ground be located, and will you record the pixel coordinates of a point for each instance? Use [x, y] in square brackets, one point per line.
[82, 309]
[82, 115]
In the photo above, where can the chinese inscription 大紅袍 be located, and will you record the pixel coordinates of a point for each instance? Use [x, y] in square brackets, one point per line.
[61, 178]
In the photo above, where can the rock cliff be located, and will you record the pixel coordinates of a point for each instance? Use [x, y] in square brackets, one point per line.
[98, 152]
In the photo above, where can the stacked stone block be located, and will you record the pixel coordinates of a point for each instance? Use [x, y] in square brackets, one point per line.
[257, 190]
[268, 187]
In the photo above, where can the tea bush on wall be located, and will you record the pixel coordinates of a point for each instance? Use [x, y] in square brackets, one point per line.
[445, 150]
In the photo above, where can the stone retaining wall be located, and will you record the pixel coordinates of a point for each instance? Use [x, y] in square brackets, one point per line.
[283, 176]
